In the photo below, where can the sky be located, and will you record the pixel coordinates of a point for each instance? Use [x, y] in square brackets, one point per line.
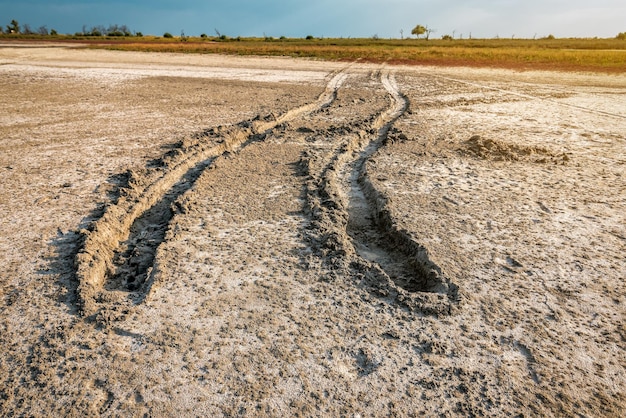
[328, 18]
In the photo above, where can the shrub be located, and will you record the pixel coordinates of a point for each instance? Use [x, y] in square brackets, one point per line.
[446, 37]
[167, 35]
[14, 27]
[203, 35]
[621, 36]
[309, 37]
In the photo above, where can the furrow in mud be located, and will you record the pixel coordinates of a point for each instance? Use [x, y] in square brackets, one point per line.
[118, 249]
[358, 227]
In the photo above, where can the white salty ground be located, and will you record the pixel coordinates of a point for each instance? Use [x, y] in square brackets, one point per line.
[514, 182]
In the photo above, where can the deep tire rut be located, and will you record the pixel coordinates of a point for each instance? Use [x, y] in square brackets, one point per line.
[352, 227]
[355, 228]
[115, 261]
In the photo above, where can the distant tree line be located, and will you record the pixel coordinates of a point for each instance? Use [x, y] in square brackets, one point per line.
[15, 28]
[419, 30]
[112, 30]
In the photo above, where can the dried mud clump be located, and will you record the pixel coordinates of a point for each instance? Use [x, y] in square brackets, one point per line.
[495, 150]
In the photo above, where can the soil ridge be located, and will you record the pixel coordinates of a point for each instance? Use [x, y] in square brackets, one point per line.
[103, 241]
[355, 229]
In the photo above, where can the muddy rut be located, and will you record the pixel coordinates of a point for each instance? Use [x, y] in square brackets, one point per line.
[370, 225]
[118, 252]
[347, 215]
[354, 227]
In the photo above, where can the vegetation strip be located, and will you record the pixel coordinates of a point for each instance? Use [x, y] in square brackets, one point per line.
[594, 55]
[546, 53]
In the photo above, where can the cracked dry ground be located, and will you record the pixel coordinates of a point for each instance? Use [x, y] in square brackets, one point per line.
[367, 241]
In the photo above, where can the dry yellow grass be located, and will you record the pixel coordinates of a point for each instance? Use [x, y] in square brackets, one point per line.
[595, 55]
[601, 55]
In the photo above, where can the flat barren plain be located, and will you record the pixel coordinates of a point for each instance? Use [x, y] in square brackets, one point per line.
[195, 235]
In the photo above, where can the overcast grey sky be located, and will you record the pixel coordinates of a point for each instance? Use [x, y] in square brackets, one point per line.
[329, 18]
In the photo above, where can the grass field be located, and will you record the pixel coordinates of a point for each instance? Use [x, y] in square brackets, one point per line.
[596, 55]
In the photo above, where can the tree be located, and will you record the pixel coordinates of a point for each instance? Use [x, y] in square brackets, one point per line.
[621, 35]
[14, 27]
[113, 30]
[116, 30]
[429, 31]
[96, 31]
[43, 30]
[418, 30]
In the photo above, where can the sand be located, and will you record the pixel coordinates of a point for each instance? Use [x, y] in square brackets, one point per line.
[187, 235]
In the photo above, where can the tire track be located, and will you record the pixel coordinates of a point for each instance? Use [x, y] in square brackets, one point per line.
[115, 260]
[531, 97]
[355, 227]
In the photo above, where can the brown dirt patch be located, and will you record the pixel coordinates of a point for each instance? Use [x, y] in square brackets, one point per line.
[283, 269]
